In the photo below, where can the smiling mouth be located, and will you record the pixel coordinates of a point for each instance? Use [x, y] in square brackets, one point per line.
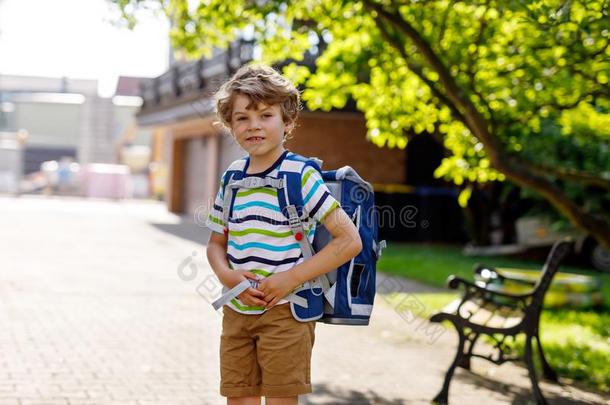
[254, 138]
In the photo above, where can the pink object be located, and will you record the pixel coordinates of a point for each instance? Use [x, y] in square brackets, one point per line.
[103, 180]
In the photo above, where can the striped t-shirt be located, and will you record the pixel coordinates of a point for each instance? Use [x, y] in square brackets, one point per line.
[259, 238]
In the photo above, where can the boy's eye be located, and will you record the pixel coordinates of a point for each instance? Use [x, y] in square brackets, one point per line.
[241, 118]
[267, 115]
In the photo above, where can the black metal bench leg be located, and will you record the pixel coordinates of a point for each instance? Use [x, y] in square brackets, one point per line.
[442, 397]
[529, 360]
[465, 361]
[547, 370]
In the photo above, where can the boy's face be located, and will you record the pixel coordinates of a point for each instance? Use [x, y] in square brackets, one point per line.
[259, 129]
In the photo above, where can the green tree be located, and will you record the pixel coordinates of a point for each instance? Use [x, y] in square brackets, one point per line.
[518, 89]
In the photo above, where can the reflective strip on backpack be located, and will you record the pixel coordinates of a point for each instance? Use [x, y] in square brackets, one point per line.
[226, 203]
[378, 248]
[232, 293]
[300, 301]
[258, 182]
[243, 286]
[249, 183]
[296, 226]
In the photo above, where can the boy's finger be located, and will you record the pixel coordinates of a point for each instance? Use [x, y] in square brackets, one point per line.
[257, 302]
[272, 303]
[269, 298]
[254, 292]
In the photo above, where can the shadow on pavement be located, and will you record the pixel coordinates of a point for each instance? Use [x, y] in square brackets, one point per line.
[186, 229]
[325, 394]
[520, 395]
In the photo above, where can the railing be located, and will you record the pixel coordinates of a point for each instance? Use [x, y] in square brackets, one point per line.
[189, 80]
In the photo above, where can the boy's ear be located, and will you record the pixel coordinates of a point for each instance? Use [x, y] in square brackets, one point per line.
[290, 127]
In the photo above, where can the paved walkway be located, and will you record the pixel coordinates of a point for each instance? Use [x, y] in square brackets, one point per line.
[106, 303]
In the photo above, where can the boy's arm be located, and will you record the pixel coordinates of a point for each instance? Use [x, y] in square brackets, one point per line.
[217, 257]
[345, 245]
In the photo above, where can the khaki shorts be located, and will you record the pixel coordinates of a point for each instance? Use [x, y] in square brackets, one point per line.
[265, 355]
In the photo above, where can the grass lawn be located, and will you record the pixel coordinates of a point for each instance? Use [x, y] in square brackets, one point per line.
[577, 342]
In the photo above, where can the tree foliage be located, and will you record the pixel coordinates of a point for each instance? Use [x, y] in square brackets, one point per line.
[518, 89]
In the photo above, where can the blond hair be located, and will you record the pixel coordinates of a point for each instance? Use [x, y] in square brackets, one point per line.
[262, 85]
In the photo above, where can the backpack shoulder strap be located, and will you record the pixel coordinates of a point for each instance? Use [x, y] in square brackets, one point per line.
[290, 170]
[291, 204]
[237, 167]
[234, 173]
[291, 198]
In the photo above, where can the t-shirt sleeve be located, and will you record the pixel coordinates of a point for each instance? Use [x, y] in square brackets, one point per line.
[318, 202]
[215, 218]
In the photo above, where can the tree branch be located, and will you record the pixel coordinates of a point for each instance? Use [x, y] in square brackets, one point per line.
[444, 22]
[470, 70]
[567, 174]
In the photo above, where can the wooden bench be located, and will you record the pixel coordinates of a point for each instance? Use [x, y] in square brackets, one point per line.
[500, 316]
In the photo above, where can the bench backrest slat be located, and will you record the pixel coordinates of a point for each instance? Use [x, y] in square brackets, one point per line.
[559, 250]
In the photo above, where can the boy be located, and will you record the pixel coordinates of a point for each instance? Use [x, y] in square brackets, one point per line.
[264, 351]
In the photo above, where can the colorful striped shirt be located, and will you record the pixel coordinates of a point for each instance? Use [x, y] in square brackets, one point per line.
[259, 238]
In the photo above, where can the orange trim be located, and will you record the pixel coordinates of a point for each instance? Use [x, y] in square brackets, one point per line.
[393, 188]
[176, 186]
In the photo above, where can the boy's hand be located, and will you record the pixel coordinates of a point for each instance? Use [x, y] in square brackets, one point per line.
[277, 286]
[251, 296]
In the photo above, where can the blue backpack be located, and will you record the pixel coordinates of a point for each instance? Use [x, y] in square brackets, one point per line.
[343, 296]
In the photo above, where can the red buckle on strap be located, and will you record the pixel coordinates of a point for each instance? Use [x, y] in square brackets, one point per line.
[298, 236]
